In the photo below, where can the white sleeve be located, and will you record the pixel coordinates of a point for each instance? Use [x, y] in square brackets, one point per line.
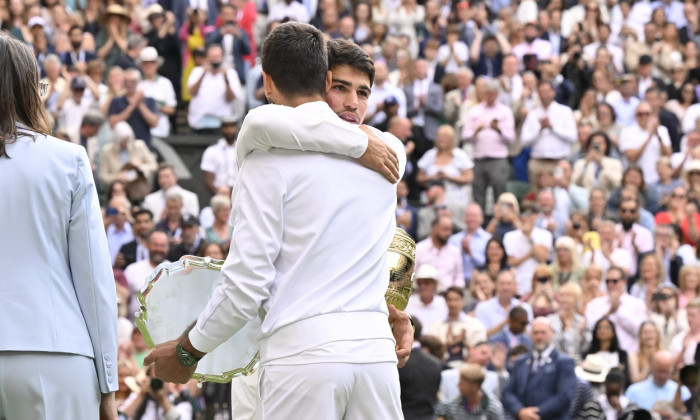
[208, 163]
[249, 270]
[195, 74]
[171, 99]
[290, 128]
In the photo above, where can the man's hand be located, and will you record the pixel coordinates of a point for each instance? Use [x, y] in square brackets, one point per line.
[403, 334]
[529, 413]
[380, 157]
[167, 367]
[615, 296]
[108, 407]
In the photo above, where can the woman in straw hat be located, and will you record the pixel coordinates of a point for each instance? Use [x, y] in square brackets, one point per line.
[112, 39]
[58, 347]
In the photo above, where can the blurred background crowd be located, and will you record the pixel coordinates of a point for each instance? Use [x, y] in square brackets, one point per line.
[553, 182]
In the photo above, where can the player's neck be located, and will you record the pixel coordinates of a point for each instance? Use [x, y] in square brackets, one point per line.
[300, 100]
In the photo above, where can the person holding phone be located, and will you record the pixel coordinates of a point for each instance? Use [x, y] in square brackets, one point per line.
[597, 169]
[233, 40]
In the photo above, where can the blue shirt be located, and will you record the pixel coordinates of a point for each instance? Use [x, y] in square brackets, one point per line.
[625, 110]
[142, 130]
[646, 393]
[477, 246]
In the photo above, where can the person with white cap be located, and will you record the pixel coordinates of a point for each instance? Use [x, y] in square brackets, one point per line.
[159, 89]
[425, 304]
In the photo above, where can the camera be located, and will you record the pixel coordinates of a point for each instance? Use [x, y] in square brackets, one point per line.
[596, 147]
[543, 279]
[156, 384]
[576, 225]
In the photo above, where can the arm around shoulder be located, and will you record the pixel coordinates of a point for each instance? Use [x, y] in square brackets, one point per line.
[283, 127]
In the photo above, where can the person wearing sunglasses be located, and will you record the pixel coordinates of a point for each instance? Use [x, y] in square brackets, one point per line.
[623, 310]
[645, 141]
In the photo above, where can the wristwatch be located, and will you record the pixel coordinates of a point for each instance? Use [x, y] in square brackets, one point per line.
[184, 357]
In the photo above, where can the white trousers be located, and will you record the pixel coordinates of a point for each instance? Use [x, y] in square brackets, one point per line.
[43, 386]
[244, 396]
[341, 391]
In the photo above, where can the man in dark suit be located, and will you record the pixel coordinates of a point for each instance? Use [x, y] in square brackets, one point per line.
[137, 249]
[543, 384]
[420, 381]
[190, 239]
[666, 118]
[553, 33]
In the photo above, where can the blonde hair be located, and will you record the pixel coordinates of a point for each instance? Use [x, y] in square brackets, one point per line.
[509, 198]
[573, 289]
[593, 269]
[641, 355]
[683, 275]
[472, 372]
[570, 244]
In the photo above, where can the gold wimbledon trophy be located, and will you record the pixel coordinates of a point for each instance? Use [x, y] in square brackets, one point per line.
[402, 258]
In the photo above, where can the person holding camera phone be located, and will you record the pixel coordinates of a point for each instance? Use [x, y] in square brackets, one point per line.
[213, 86]
[153, 401]
[597, 169]
[233, 40]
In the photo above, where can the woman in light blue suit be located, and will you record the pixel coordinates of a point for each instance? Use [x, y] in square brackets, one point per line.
[58, 332]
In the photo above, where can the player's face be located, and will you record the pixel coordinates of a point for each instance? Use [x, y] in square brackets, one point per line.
[349, 93]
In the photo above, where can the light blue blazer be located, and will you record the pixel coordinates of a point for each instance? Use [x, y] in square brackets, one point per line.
[57, 291]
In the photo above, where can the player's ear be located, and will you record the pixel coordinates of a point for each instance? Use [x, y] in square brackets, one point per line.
[268, 86]
[329, 80]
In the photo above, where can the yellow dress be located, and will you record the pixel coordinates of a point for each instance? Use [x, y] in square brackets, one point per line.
[194, 41]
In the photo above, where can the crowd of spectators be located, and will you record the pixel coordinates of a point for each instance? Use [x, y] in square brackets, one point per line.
[553, 181]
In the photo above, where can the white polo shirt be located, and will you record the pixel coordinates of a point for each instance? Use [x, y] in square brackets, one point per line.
[517, 245]
[220, 159]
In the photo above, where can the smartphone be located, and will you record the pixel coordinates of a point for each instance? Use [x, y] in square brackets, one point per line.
[111, 211]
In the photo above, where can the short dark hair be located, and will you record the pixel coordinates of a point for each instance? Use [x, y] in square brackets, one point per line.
[517, 312]
[455, 289]
[74, 27]
[165, 166]
[139, 212]
[417, 328]
[342, 52]
[294, 55]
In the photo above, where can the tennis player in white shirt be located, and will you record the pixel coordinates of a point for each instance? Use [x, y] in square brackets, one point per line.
[312, 234]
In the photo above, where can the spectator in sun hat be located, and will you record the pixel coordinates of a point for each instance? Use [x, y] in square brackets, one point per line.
[158, 88]
[425, 303]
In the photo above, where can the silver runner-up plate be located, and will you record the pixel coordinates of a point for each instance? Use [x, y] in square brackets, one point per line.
[170, 303]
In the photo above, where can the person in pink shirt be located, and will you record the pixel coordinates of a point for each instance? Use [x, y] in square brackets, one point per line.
[490, 126]
[446, 258]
